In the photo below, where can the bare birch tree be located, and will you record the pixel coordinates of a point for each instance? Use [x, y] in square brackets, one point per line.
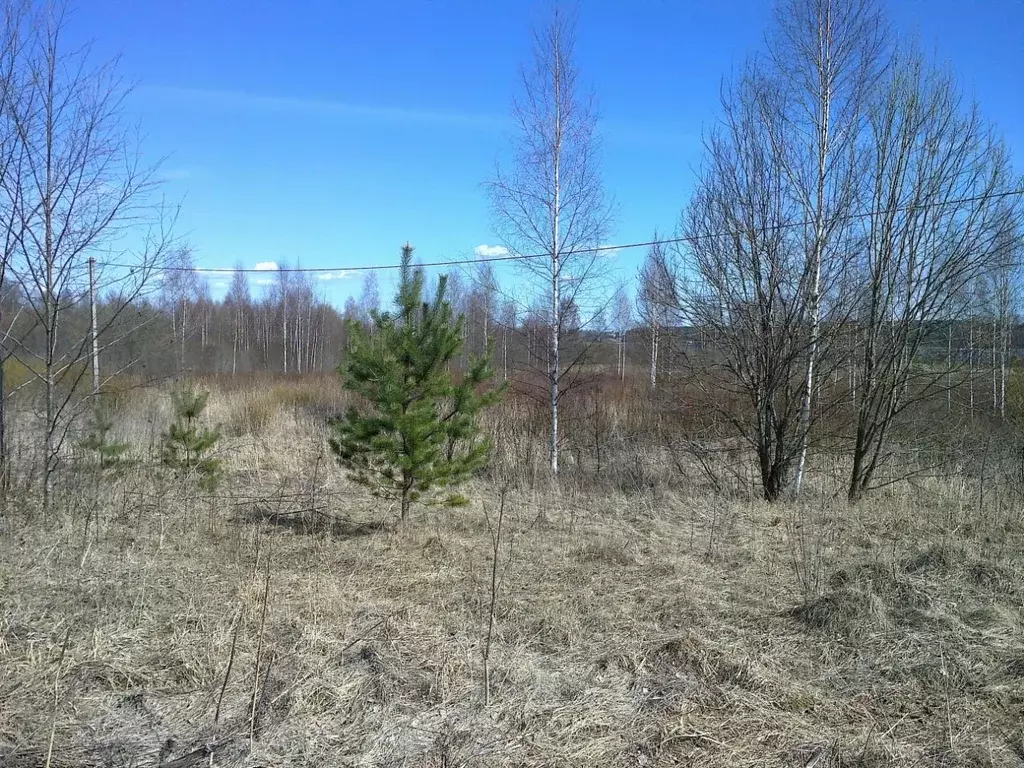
[552, 201]
[479, 305]
[179, 289]
[622, 323]
[1006, 281]
[825, 59]
[655, 298]
[238, 299]
[81, 187]
[369, 299]
[508, 329]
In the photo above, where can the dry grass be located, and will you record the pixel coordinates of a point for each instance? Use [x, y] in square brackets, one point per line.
[633, 628]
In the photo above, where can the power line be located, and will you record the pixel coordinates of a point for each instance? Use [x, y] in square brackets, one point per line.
[594, 249]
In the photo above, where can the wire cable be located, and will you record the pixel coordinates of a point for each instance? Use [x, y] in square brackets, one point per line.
[571, 252]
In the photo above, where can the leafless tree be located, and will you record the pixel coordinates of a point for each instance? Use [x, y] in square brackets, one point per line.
[204, 308]
[1006, 287]
[508, 327]
[281, 296]
[80, 188]
[622, 323]
[655, 299]
[742, 279]
[238, 299]
[552, 201]
[825, 58]
[12, 41]
[369, 299]
[179, 290]
[293, 303]
[486, 290]
[934, 193]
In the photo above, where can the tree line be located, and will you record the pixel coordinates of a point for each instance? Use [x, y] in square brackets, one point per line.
[848, 258]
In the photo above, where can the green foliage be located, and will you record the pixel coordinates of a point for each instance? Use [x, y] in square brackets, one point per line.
[187, 445]
[419, 435]
[108, 453]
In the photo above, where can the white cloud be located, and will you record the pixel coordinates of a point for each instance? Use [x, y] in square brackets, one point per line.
[490, 251]
[176, 174]
[265, 266]
[264, 281]
[214, 271]
[341, 274]
[240, 100]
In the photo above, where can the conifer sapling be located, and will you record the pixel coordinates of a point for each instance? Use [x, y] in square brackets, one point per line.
[187, 445]
[108, 452]
[418, 437]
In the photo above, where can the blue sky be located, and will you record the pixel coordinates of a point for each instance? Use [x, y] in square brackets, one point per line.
[329, 132]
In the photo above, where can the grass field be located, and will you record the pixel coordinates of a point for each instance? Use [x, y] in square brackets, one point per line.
[287, 620]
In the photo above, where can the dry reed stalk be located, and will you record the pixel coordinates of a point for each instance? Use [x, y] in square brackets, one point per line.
[56, 697]
[259, 648]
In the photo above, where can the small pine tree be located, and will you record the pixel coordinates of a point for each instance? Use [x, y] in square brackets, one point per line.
[108, 453]
[420, 435]
[187, 445]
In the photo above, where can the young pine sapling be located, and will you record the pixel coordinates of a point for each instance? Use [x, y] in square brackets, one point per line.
[419, 438]
[187, 446]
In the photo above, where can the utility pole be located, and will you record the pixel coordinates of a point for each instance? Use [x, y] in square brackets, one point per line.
[95, 341]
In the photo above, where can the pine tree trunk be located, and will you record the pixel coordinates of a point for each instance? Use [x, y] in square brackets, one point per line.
[407, 482]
